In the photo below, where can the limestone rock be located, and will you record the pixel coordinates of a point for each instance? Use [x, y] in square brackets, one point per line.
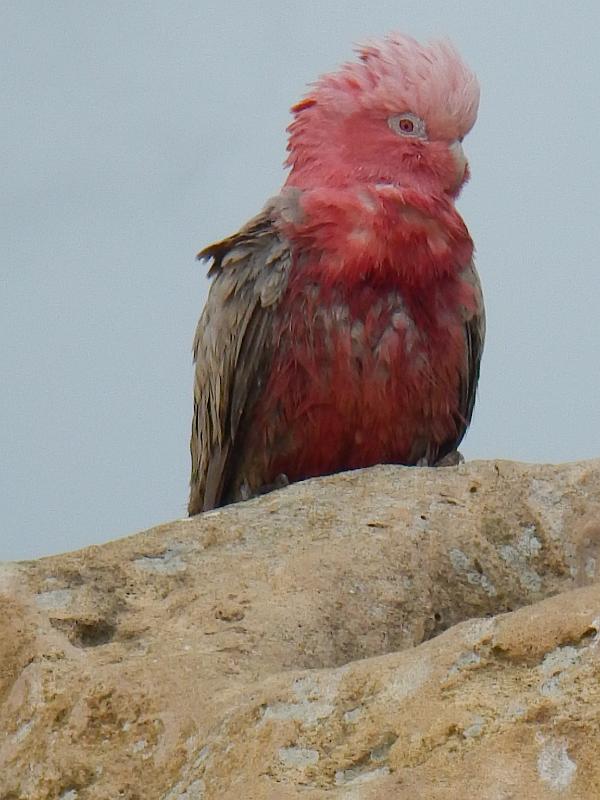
[377, 634]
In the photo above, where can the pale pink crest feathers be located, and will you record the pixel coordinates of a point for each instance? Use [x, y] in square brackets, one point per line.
[399, 74]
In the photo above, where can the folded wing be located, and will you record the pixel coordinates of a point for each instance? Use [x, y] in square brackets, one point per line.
[232, 348]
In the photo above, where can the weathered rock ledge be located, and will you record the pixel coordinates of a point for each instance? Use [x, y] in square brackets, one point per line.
[388, 633]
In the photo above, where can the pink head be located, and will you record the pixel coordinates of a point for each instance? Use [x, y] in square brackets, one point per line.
[397, 116]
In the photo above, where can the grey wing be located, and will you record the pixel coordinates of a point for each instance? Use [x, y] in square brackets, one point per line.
[474, 331]
[232, 341]
[474, 340]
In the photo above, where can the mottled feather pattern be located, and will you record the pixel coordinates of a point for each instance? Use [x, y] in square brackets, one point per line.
[345, 323]
[249, 271]
[475, 337]
[343, 364]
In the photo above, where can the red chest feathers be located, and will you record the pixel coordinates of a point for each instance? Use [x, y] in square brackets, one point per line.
[363, 375]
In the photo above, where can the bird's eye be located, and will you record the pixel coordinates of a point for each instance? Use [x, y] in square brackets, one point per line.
[408, 124]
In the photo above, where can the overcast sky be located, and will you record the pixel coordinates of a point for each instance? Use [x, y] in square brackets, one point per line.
[136, 132]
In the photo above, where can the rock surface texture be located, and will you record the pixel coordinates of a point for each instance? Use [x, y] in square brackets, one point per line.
[387, 633]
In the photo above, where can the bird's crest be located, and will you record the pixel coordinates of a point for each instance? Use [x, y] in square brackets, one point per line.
[400, 74]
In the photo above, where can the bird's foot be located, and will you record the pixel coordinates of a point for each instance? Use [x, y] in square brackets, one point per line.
[280, 482]
[452, 459]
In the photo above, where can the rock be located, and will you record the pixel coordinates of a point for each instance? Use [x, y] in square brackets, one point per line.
[377, 634]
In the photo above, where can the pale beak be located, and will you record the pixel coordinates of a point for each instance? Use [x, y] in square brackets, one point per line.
[459, 155]
[460, 160]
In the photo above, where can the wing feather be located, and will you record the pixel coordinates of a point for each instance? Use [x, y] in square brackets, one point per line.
[474, 321]
[232, 344]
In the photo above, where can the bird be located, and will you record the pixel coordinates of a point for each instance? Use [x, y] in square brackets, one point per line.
[344, 325]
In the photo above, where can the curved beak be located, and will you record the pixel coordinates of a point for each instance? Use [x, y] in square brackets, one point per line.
[458, 154]
[460, 161]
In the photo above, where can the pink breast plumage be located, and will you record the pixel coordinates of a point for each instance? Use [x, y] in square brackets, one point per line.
[365, 378]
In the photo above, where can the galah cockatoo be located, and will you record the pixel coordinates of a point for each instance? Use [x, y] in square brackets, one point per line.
[344, 325]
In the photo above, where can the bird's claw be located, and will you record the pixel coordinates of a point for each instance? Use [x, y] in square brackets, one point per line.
[452, 459]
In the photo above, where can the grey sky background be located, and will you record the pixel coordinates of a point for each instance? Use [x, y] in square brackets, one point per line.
[136, 132]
